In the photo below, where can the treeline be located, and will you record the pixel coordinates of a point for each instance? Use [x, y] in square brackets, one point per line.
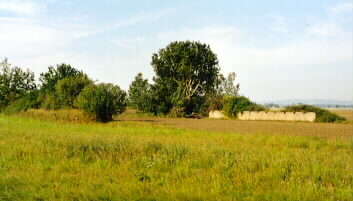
[187, 81]
[61, 87]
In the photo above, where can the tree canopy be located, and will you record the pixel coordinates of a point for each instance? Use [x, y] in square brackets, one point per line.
[14, 83]
[189, 68]
[140, 94]
[50, 79]
[69, 88]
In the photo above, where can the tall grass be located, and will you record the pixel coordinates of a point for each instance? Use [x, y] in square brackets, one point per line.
[41, 160]
[67, 116]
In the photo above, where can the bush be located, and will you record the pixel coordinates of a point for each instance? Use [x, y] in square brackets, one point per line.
[213, 102]
[322, 115]
[23, 104]
[102, 101]
[15, 83]
[235, 104]
[49, 101]
[139, 94]
[54, 75]
[69, 88]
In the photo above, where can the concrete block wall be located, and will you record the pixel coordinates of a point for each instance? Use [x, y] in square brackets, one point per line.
[216, 114]
[277, 116]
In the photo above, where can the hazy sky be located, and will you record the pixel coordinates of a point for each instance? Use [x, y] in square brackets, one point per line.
[280, 49]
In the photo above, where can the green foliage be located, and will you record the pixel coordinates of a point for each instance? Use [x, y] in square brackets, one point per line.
[161, 96]
[24, 103]
[140, 94]
[102, 101]
[234, 105]
[48, 96]
[213, 102]
[69, 88]
[322, 115]
[14, 83]
[49, 101]
[214, 99]
[189, 69]
[54, 75]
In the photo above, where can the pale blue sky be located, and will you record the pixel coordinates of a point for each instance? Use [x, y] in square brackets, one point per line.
[280, 49]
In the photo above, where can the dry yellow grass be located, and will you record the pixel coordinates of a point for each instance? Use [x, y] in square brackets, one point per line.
[346, 113]
[324, 130]
[70, 116]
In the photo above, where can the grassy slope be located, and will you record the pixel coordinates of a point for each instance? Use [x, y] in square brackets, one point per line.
[138, 161]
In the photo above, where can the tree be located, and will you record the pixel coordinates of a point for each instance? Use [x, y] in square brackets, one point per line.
[230, 88]
[14, 83]
[27, 101]
[224, 88]
[189, 68]
[139, 93]
[69, 88]
[48, 96]
[50, 79]
[102, 101]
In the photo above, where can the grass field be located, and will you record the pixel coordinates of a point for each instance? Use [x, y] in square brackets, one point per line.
[41, 160]
[344, 112]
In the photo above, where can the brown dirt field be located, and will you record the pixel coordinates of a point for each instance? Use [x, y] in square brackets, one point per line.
[342, 131]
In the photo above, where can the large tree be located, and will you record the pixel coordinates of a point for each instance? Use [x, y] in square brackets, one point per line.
[189, 68]
[14, 83]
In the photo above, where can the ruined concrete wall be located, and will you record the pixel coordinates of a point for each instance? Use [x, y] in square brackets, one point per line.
[216, 114]
[277, 116]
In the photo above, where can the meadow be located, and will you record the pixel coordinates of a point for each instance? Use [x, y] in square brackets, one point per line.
[153, 159]
[344, 112]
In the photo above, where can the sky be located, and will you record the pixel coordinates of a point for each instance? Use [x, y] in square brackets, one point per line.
[279, 49]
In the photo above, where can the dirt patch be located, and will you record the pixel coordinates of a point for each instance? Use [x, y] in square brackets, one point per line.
[326, 130]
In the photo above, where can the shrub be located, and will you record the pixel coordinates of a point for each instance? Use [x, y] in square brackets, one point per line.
[213, 102]
[69, 88]
[24, 103]
[14, 83]
[102, 101]
[322, 115]
[235, 104]
[54, 75]
[139, 93]
[49, 101]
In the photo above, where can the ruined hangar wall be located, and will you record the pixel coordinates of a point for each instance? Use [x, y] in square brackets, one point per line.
[277, 116]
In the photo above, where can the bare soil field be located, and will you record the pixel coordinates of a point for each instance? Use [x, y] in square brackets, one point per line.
[325, 130]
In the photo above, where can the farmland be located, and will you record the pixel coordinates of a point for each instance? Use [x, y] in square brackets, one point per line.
[145, 158]
[344, 112]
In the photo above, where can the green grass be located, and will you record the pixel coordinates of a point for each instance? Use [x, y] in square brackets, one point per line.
[41, 160]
